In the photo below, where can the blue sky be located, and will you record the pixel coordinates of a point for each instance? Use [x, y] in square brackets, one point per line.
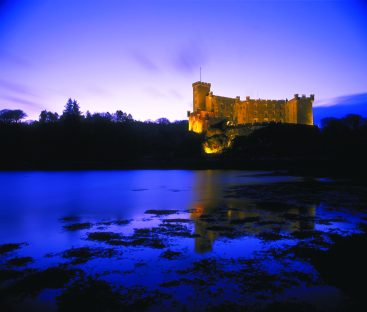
[142, 56]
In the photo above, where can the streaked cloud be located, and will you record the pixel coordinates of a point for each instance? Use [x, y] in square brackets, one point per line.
[352, 99]
[16, 88]
[155, 93]
[341, 106]
[18, 100]
[14, 59]
[189, 59]
[144, 61]
[176, 94]
[98, 91]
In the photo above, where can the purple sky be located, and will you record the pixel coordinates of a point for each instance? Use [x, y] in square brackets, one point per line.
[142, 56]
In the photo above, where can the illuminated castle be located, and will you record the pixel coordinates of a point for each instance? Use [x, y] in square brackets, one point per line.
[209, 109]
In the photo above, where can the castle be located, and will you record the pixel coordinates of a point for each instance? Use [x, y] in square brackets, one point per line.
[209, 109]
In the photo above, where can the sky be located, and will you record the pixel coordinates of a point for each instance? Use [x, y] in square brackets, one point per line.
[142, 57]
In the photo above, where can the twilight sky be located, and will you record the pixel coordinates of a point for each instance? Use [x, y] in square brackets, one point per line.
[142, 56]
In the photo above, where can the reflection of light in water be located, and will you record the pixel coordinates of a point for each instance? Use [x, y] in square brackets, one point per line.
[212, 209]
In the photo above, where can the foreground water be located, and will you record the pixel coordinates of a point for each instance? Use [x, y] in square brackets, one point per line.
[194, 240]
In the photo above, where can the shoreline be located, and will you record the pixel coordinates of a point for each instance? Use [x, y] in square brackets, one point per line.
[295, 167]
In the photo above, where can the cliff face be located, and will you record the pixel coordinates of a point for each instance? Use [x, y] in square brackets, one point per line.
[218, 139]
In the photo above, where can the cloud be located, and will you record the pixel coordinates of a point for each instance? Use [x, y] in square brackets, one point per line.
[16, 88]
[15, 95]
[98, 91]
[14, 59]
[144, 61]
[158, 94]
[176, 94]
[351, 99]
[23, 102]
[340, 106]
[155, 93]
[189, 59]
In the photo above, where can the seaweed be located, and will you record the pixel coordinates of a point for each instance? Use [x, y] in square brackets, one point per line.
[115, 222]
[171, 255]
[88, 294]
[161, 212]
[19, 261]
[84, 254]
[141, 237]
[177, 220]
[5, 248]
[69, 219]
[103, 236]
[35, 281]
[78, 226]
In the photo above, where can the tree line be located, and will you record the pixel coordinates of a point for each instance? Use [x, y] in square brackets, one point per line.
[98, 140]
[338, 147]
[115, 140]
[71, 113]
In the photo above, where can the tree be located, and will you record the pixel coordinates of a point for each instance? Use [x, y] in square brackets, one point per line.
[101, 117]
[163, 121]
[48, 117]
[9, 116]
[328, 122]
[120, 116]
[72, 110]
[353, 121]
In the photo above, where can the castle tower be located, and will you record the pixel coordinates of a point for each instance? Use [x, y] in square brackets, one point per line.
[299, 110]
[304, 110]
[200, 91]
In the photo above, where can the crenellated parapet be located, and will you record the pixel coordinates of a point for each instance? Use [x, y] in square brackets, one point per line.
[208, 108]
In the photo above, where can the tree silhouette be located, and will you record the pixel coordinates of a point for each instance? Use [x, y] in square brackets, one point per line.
[163, 121]
[101, 117]
[353, 121]
[47, 117]
[71, 111]
[120, 116]
[9, 116]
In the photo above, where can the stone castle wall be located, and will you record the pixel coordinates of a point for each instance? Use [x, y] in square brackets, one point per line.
[209, 109]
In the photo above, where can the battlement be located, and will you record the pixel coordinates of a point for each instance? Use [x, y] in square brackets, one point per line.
[304, 97]
[200, 83]
[208, 107]
[217, 116]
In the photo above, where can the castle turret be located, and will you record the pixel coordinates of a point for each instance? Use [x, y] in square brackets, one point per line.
[210, 109]
[304, 110]
[200, 91]
[299, 110]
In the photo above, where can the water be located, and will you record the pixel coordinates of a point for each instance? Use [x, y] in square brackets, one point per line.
[188, 239]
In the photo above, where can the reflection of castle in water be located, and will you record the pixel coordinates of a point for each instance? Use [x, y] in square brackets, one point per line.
[215, 215]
